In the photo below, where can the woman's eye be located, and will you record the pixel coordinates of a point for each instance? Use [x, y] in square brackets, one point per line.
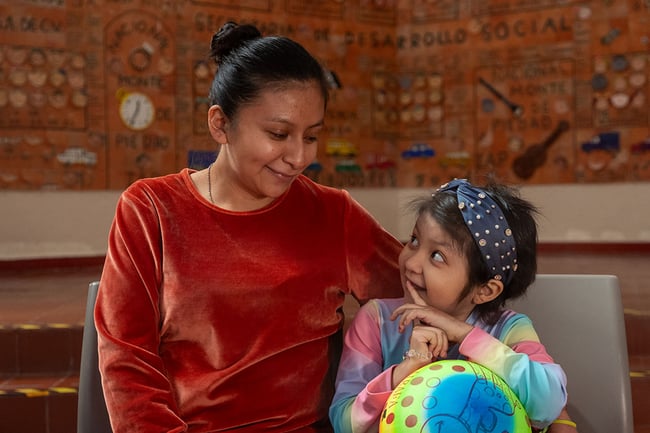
[436, 256]
[311, 139]
[278, 135]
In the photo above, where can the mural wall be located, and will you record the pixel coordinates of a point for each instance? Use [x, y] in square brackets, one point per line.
[97, 93]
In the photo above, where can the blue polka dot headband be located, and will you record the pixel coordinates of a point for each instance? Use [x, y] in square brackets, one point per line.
[488, 226]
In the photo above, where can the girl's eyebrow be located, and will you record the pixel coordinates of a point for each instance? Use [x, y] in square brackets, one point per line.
[445, 245]
[436, 242]
[418, 233]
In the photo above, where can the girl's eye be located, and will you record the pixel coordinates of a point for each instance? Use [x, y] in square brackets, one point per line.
[413, 241]
[311, 139]
[436, 256]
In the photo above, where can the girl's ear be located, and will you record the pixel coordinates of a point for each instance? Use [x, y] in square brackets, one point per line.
[488, 291]
[217, 122]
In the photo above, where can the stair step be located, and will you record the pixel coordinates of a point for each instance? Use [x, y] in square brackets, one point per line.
[637, 328]
[39, 377]
[640, 386]
[40, 348]
[31, 385]
[33, 410]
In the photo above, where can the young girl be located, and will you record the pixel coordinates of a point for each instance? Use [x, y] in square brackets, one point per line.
[471, 250]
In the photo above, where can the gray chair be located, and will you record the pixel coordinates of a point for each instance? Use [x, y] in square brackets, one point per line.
[579, 318]
[92, 416]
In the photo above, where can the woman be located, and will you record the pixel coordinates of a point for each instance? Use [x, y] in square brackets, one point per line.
[220, 301]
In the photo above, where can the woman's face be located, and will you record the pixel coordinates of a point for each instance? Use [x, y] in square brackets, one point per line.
[272, 140]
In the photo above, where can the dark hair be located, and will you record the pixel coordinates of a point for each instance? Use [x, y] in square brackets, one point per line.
[247, 63]
[520, 214]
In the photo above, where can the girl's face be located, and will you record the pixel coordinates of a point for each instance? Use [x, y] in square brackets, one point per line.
[271, 141]
[436, 269]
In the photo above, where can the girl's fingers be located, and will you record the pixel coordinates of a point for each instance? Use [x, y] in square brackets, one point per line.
[401, 309]
[405, 308]
[406, 319]
[417, 299]
[436, 345]
[441, 347]
[435, 339]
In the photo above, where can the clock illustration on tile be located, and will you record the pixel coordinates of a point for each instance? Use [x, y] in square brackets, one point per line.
[137, 110]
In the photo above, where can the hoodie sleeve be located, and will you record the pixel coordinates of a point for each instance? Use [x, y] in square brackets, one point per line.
[522, 361]
[362, 385]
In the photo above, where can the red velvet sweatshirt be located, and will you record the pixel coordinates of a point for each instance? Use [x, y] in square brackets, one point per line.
[210, 320]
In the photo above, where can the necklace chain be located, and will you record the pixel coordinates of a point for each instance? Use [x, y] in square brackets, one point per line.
[210, 183]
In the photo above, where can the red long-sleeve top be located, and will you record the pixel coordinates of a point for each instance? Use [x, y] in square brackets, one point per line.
[210, 320]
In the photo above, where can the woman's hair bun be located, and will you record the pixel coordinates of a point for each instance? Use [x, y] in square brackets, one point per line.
[229, 37]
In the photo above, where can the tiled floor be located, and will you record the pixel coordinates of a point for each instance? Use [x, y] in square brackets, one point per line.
[45, 295]
[55, 300]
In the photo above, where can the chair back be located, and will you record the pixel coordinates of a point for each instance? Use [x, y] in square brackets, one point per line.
[579, 318]
[92, 416]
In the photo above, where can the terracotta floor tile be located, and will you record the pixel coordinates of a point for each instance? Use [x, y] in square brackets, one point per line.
[29, 382]
[42, 296]
[71, 381]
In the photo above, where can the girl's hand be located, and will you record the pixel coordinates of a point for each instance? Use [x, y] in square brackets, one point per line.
[425, 346]
[455, 330]
[432, 331]
[427, 343]
[421, 312]
[429, 340]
